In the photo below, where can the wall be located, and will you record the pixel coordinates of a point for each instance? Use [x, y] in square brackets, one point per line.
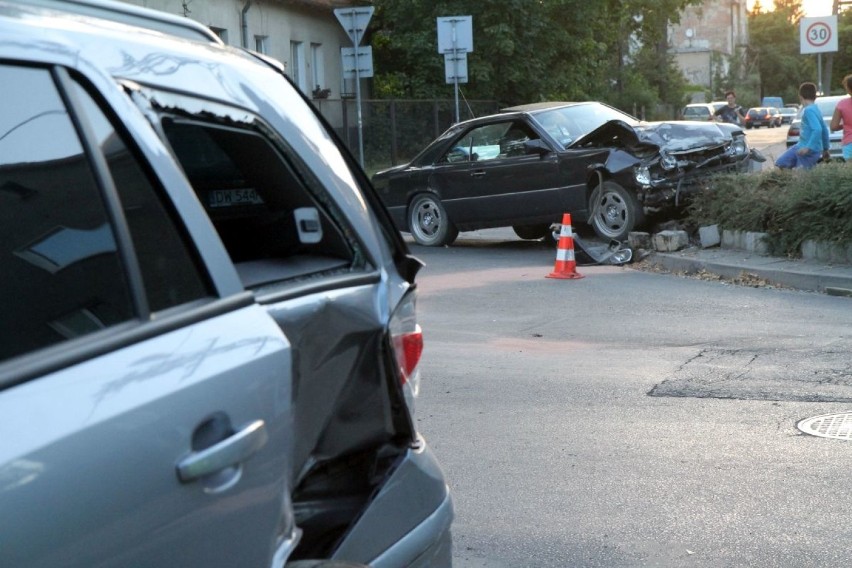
[712, 27]
[310, 22]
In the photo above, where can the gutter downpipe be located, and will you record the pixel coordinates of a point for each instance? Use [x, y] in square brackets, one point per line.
[244, 24]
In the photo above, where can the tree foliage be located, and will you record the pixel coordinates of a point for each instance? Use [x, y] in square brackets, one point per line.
[532, 50]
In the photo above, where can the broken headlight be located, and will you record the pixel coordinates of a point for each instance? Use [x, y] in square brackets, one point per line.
[667, 161]
[738, 147]
[642, 175]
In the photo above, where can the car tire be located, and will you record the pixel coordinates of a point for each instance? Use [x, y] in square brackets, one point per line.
[429, 223]
[614, 212]
[531, 232]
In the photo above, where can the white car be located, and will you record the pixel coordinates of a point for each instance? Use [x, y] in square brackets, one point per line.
[826, 107]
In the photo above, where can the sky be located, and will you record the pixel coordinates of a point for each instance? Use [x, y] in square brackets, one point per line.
[813, 8]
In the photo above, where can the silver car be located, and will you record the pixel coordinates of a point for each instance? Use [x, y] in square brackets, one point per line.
[826, 107]
[210, 341]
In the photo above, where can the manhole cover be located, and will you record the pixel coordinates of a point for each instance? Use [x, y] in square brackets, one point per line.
[838, 426]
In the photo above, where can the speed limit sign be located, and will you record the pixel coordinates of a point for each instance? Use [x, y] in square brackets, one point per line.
[818, 35]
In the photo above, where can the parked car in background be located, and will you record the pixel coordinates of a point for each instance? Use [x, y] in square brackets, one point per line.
[826, 107]
[210, 338]
[788, 114]
[762, 116]
[526, 166]
[698, 111]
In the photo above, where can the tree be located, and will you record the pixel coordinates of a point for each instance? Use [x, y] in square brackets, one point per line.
[527, 51]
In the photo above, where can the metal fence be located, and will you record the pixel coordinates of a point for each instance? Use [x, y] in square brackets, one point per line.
[393, 131]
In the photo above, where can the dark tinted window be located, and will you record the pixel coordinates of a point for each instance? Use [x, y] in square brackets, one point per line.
[60, 273]
[169, 268]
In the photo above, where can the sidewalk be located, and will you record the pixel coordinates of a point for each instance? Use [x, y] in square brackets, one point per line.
[832, 279]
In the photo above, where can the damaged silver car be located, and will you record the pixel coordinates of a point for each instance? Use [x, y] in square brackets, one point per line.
[529, 164]
[210, 345]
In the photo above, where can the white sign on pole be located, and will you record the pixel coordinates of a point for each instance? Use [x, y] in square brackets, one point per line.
[455, 33]
[455, 67]
[818, 35]
[364, 62]
[354, 21]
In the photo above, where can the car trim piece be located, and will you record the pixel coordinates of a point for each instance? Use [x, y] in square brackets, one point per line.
[285, 290]
[108, 191]
[50, 359]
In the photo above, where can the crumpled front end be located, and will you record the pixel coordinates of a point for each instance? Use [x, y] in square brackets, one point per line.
[689, 154]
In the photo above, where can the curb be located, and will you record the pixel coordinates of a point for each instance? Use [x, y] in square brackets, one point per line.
[798, 275]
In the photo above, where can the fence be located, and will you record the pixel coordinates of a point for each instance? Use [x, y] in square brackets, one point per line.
[393, 131]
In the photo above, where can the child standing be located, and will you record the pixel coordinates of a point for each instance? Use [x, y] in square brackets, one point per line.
[842, 119]
[813, 134]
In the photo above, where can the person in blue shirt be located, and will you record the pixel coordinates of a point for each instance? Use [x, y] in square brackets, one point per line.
[813, 135]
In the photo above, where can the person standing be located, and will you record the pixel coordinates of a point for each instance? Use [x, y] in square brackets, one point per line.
[842, 119]
[732, 112]
[813, 135]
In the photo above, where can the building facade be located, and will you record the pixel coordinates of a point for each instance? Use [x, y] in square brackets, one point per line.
[709, 36]
[303, 34]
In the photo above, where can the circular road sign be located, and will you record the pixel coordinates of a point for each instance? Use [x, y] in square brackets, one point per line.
[818, 34]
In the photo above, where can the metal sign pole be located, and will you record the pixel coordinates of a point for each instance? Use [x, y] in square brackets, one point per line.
[819, 73]
[456, 69]
[357, 41]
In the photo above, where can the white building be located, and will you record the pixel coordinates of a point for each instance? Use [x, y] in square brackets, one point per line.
[303, 34]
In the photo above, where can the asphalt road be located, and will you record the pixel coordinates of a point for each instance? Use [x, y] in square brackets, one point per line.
[631, 418]
[770, 141]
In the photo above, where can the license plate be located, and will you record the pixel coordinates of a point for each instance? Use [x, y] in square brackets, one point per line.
[232, 197]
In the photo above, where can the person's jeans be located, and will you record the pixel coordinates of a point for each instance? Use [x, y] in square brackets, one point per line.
[790, 159]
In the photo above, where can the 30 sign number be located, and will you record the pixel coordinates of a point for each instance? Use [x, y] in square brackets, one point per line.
[818, 34]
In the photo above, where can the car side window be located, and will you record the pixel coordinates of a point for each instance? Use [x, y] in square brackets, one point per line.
[491, 142]
[60, 270]
[170, 267]
[269, 213]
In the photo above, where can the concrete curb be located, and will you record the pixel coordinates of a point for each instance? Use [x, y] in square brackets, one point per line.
[799, 275]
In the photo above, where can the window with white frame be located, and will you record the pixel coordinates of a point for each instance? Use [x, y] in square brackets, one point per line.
[297, 65]
[317, 68]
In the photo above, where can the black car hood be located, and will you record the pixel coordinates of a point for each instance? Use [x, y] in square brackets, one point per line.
[673, 137]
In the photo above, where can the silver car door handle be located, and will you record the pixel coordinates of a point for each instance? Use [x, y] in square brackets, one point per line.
[478, 174]
[229, 452]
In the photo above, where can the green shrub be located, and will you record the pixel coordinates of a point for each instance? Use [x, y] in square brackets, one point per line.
[791, 206]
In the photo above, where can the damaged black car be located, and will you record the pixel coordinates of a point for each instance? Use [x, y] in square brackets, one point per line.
[527, 165]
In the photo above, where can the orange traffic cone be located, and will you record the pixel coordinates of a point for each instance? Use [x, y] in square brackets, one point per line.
[566, 266]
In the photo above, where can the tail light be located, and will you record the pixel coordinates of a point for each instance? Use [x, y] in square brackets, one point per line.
[407, 343]
[793, 131]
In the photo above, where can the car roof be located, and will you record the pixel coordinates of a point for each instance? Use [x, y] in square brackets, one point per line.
[132, 15]
[538, 106]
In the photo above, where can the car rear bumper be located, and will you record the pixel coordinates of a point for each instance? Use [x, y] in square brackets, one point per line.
[384, 536]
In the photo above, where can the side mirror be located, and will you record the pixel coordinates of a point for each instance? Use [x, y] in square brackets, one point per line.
[537, 146]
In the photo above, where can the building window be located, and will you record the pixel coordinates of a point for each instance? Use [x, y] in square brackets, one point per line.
[260, 44]
[297, 64]
[317, 68]
[221, 32]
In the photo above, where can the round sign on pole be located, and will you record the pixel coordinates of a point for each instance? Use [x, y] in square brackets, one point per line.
[818, 35]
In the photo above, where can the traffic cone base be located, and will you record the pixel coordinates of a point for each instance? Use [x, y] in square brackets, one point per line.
[565, 267]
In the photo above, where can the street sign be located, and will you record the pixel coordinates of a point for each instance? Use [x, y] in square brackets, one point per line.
[455, 67]
[818, 35]
[360, 67]
[354, 21]
[455, 33]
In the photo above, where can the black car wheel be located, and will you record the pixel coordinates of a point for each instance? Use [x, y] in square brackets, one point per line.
[531, 232]
[614, 211]
[428, 222]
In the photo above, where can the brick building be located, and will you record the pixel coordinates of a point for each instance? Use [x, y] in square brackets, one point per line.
[707, 39]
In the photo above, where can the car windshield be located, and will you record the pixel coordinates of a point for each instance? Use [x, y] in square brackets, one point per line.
[568, 123]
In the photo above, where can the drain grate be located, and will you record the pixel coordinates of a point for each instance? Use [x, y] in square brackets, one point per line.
[837, 426]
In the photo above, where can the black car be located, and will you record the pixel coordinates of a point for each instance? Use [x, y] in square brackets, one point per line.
[526, 166]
